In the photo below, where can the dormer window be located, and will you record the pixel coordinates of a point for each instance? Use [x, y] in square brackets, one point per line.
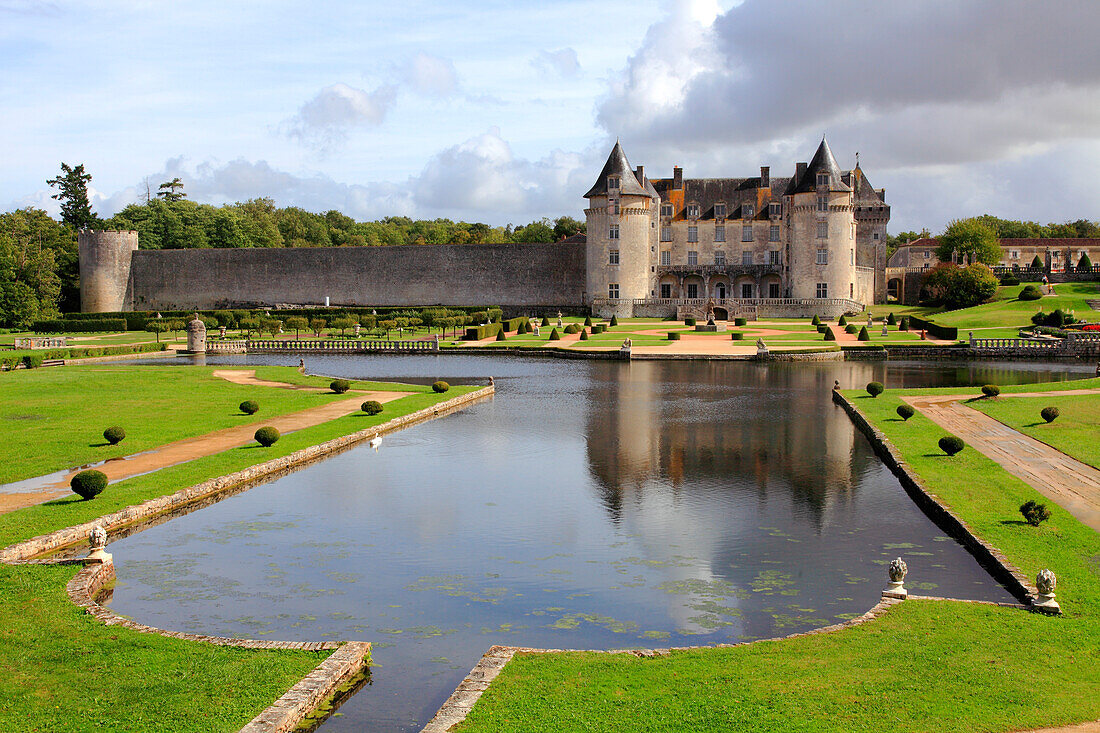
[775, 209]
[822, 179]
[666, 209]
[747, 211]
[613, 183]
[719, 211]
[693, 211]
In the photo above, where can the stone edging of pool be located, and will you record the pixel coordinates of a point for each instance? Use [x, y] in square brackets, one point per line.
[285, 713]
[989, 556]
[47, 543]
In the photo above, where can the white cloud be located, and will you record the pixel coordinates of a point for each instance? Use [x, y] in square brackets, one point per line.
[431, 75]
[325, 120]
[563, 62]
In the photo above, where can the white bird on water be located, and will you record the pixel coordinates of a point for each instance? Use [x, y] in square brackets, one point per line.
[375, 442]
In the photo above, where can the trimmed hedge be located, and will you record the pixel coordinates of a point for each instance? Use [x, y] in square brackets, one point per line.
[114, 435]
[740, 321]
[934, 329]
[829, 335]
[440, 387]
[249, 407]
[614, 320]
[990, 390]
[267, 436]
[673, 335]
[477, 333]
[79, 325]
[689, 321]
[88, 484]
[371, 407]
[513, 324]
[339, 386]
[863, 335]
[737, 336]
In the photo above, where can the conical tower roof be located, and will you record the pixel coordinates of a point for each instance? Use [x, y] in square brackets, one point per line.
[617, 165]
[823, 162]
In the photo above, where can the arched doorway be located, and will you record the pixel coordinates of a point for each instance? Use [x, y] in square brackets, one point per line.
[893, 289]
[721, 314]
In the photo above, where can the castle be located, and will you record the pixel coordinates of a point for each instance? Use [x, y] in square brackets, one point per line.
[770, 247]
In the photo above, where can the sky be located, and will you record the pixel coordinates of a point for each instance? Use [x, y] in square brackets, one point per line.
[504, 112]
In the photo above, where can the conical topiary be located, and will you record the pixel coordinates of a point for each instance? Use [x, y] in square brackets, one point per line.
[588, 320]
[501, 336]
[829, 335]
[614, 321]
[842, 322]
[816, 321]
[891, 321]
[554, 335]
[863, 335]
[584, 335]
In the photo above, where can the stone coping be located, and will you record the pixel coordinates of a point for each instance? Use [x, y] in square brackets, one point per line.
[285, 713]
[44, 544]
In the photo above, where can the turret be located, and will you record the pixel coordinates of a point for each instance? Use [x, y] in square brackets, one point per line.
[105, 259]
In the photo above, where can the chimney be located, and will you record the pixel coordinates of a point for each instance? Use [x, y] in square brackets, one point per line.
[640, 174]
[677, 178]
[765, 176]
[799, 171]
[882, 194]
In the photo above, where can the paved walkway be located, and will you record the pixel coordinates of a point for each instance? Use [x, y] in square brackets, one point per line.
[181, 451]
[1073, 485]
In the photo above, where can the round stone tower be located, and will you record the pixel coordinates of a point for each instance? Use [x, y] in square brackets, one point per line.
[196, 336]
[105, 259]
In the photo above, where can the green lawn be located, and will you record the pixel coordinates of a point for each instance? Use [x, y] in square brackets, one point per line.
[57, 416]
[63, 670]
[1007, 311]
[1076, 432]
[924, 666]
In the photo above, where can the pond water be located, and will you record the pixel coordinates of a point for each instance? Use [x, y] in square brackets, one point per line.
[589, 504]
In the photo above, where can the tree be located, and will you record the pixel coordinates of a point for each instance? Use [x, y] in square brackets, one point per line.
[72, 185]
[536, 231]
[1037, 263]
[971, 239]
[167, 190]
[157, 326]
[969, 286]
[298, 323]
[1084, 264]
[317, 325]
[933, 289]
[567, 226]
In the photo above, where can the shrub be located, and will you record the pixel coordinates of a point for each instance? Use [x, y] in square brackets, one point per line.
[554, 335]
[737, 335]
[572, 328]
[545, 321]
[614, 321]
[88, 484]
[584, 335]
[969, 286]
[588, 320]
[689, 321]
[822, 328]
[673, 335]
[816, 321]
[874, 388]
[951, 444]
[440, 387]
[339, 386]
[32, 361]
[990, 390]
[1050, 414]
[1009, 279]
[249, 407]
[1084, 264]
[891, 321]
[842, 321]
[501, 336]
[1034, 512]
[1030, 292]
[114, 435]
[371, 407]
[267, 436]
[740, 321]
[905, 412]
[829, 336]
[1037, 263]
[863, 335]
[904, 324]
[851, 328]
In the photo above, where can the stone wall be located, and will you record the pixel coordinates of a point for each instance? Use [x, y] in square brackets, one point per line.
[526, 275]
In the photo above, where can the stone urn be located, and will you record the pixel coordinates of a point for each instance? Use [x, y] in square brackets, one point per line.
[1045, 582]
[97, 541]
[896, 587]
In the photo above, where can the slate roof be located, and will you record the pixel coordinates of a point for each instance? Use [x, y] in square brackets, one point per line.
[617, 165]
[823, 162]
[865, 193]
[707, 192]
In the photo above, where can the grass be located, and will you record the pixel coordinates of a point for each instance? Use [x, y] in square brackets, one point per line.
[1007, 311]
[1076, 432]
[923, 666]
[63, 670]
[56, 417]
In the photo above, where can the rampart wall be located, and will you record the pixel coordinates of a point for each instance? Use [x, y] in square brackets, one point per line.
[523, 275]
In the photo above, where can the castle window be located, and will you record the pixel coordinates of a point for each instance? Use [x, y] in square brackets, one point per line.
[1014, 254]
[822, 179]
[613, 257]
[822, 203]
[614, 208]
[666, 234]
[746, 290]
[613, 291]
[693, 234]
[666, 257]
[773, 233]
[746, 233]
[823, 290]
[746, 257]
[614, 232]
[666, 209]
[822, 256]
[719, 211]
[747, 211]
[875, 236]
[613, 183]
[852, 252]
[692, 290]
[773, 290]
[719, 234]
[773, 257]
[823, 230]
[693, 257]
[927, 254]
[775, 209]
[693, 211]
[719, 257]
[666, 290]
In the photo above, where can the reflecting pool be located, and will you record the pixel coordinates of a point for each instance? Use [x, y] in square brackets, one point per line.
[589, 504]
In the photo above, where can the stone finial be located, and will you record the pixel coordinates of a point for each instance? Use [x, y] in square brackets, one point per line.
[1045, 582]
[836, 384]
[896, 587]
[97, 540]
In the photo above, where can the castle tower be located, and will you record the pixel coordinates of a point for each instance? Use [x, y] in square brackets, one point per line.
[821, 236]
[622, 230]
[872, 215]
[105, 270]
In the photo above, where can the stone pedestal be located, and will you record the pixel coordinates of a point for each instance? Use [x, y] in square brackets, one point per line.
[1045, 583]
[97, 540]
[196, 336]
[896, 587]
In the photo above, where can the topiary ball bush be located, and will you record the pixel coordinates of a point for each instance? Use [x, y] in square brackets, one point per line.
[1034, 512]
[267, 436]
[249, 407]
[737, 336]
[863, 335]
[554, 335]
[951, 444]
[440, 386]
[614, 321]
[1050, 414]
[114, 435]
[339, 386]
[851, 328]
[689, 321]
[905, 412]
[1031, 292]
[874, 388]
[990, 390]
[572, 328]
[371, 407]
[88, 484]
[740, 321]
[673, 335]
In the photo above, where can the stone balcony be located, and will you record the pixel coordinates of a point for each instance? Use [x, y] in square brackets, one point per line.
[730, 269]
